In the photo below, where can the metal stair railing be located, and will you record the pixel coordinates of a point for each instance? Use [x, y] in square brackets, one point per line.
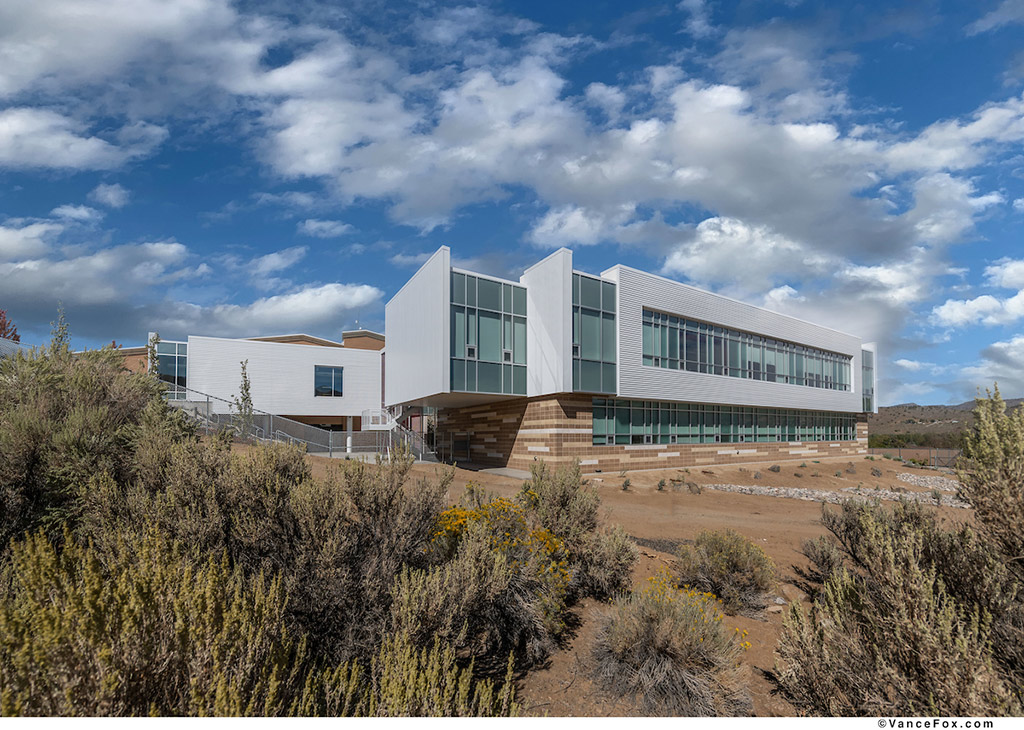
[415, 441]
[208, 411]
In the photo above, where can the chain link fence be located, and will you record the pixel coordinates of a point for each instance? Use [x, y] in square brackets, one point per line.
[940, 458]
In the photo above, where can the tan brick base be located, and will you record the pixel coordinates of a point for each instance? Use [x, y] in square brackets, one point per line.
[558, 428]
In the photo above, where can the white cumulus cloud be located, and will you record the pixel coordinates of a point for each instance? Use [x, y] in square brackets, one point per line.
[40, 138]
[112, 195]
[323, 228]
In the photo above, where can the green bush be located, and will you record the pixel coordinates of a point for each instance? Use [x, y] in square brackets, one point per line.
[338, 543]
[506, 571]
[825, 556]
[666, 648]
[991, 474]
[911, 617]
[727, 564]
[970, 571]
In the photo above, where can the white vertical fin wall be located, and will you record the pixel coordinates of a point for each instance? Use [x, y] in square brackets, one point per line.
[281, 375]
[549, 324]
[638, 289]
[417, 321]
[873, 347]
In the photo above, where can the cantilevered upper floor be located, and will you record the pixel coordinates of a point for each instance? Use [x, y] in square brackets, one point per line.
[457, 337]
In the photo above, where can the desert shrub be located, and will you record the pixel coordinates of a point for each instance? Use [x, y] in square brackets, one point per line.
[405, 681]
[892, 643]
[451, 602]
[178, 487]
[825, 556]
[991, 476]
[972, 573]
[666, 648]
[522, 607]
[338, 543]
[65, 418]
[146, 632]
[727, 564]
[604, 564]
[599, 561]
[969, 570]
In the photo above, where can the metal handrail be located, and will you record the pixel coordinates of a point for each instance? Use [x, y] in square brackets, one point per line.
[319, 438]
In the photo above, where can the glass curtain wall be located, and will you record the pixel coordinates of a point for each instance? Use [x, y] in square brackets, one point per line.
[172, 367]
[675, 343]
[653, 422]
[593, 335]
[488, 336]
[867, 374]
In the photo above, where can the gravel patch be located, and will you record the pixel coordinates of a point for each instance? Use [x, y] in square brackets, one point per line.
[946, 485]
[818, 495]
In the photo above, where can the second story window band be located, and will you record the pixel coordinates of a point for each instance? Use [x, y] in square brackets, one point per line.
[676, 343]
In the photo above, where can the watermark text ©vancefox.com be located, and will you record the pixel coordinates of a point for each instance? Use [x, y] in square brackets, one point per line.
[931, 724]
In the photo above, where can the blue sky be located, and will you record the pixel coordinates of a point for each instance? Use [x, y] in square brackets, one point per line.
[251, 168]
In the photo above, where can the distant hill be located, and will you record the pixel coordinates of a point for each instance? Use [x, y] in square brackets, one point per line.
[912, 418]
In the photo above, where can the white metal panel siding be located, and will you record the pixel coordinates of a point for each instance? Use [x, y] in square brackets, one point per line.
[417, 321]
[637, 290]
[281, 375]
[549, 324]
[873, 347]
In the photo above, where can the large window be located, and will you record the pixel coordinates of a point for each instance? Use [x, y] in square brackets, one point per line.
[488, 336]
[327, 381]
[675, 343]
[653, 422]
[172, 367]
[867, 374]
[593, 335]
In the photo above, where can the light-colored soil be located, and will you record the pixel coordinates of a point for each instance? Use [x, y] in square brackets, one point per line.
[661, 520]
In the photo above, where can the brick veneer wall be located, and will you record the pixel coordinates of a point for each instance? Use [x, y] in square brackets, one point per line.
[558, 429]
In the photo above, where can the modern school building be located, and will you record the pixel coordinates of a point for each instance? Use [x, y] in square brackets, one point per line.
[621, 370]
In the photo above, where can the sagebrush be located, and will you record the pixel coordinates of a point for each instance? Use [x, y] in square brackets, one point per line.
[729, 565]
[665, 647]
[913, 616]
[146, 570]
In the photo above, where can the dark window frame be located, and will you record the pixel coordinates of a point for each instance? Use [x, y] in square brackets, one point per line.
[337, 381]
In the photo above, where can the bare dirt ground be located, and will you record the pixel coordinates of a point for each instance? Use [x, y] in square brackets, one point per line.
[660, 520]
